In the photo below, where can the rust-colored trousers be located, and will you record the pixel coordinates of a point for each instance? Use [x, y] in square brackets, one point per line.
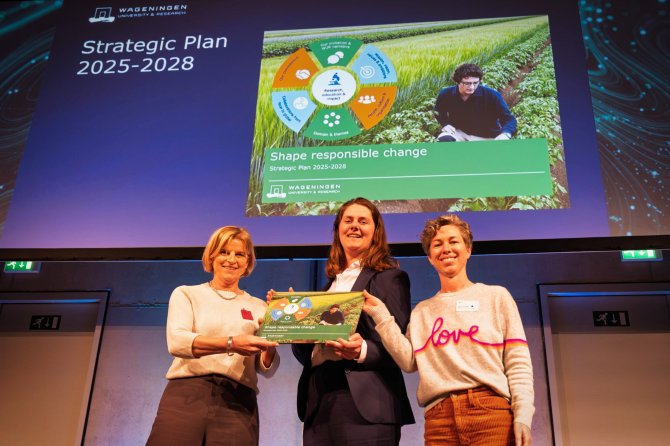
[473, 417]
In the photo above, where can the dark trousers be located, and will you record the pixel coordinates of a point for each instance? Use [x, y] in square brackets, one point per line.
[334, 419]
[206, 410]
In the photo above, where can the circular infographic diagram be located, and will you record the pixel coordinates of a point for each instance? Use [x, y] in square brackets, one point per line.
[341, 94]
[290, 309]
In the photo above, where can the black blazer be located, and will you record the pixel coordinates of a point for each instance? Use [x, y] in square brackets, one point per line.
[377, 386]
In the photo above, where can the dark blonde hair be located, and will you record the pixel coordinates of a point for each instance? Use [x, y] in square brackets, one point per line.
[376, 257]
[220, 238]
[432, 226]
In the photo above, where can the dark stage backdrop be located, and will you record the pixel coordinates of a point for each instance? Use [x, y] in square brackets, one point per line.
[149, 124]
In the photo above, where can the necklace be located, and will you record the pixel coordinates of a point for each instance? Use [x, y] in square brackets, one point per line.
[225, 294]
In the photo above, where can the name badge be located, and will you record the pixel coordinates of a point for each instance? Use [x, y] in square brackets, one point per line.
[467, 305]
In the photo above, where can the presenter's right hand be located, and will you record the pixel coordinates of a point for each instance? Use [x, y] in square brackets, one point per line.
[370, 301]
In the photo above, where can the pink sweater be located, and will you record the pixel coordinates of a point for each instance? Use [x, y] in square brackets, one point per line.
[462, 340]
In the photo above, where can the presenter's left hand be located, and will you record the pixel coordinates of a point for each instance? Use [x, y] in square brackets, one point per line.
[503, 136]
[521, 435]
[268, 356]
[248, 345]
[347, 349]
[271, 293]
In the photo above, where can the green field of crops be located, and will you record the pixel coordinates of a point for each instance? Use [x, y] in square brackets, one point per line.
[424, 64]
[350, 308]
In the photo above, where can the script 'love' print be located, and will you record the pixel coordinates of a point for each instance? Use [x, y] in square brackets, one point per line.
[440, 337]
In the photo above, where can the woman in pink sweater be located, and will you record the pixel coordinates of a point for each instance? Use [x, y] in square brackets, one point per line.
[468, 344]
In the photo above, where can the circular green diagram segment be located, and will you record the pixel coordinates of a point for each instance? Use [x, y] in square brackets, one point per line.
[350, 88]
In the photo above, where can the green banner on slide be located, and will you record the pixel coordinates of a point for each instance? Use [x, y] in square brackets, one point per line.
[407, 171]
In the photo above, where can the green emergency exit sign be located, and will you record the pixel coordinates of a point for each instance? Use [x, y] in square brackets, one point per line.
[641, 254]
[21, 266]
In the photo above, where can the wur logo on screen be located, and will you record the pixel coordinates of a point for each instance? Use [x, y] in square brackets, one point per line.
[276, 191]
[102, 15]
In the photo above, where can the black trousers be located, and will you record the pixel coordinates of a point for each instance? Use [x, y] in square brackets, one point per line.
[333, 419]
[206, 410]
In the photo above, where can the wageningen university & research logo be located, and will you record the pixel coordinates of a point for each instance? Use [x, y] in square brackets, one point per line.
[277, 190]
[105, 14]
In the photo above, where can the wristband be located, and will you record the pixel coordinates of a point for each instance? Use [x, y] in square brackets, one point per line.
[230, 346]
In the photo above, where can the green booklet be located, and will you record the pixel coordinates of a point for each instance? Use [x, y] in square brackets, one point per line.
[314, 316]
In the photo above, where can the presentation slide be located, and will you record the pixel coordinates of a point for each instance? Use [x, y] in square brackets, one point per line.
[153, 123]
[345, 91]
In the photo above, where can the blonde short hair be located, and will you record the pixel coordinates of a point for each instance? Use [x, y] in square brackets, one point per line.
[220, 238]
[434, 225]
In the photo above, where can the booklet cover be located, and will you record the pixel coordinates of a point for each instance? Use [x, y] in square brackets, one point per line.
[305, 317]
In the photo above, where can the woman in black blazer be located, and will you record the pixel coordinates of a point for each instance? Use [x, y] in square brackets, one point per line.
[351, 392]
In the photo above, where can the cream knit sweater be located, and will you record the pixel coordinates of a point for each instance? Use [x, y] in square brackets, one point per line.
[198, 310]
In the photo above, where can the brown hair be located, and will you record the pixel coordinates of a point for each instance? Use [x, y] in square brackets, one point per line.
[434, 225]
[376, 257]
[220, 238]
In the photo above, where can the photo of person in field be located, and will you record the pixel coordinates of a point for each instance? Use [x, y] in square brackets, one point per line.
[333, 316]
[469, 111]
